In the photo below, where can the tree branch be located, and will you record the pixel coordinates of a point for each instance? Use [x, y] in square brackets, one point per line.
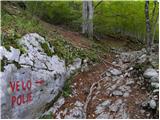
[98, 4]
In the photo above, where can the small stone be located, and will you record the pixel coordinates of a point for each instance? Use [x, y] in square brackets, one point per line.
[108, 74]
[150, 72]
[115, 106]
[115, 72]
[152, 104]
[126, 94]
[155, 97]
[156, 91]
[75, 113]
[148, 114]
[155, 85]
[106, 103]
[103, 116]
[130, 82]
[142, 111]
[78, 104]
[99, 109]
[144, 104]
[131, 68]
[154, 79]
[117, 93]
[143, 88]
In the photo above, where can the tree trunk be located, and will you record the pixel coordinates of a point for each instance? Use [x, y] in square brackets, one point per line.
[148, 27]
[87, 26]
[153, 12]
[155, 26]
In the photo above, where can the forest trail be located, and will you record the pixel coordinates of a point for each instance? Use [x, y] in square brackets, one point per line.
[78, 40]
[75, 38]
[116, 96]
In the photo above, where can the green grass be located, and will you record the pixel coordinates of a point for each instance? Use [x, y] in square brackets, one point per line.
[15, 26]
[22, 23]
[67, 90]
[48, 116]
[67, 51]
[46, 49]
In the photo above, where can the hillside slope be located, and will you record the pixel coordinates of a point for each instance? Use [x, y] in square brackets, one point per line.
[112, 80]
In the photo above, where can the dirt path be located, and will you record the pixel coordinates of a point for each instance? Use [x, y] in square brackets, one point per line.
[75, 38]
[117, 96]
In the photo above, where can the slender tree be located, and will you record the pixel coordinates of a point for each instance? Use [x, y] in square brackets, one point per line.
[154, 27]
[87, 13]
[148, 27]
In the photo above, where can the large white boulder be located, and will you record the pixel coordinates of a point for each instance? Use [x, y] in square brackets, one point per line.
[25, 89]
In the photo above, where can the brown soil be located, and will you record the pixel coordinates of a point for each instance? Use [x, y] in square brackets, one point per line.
[83, 81]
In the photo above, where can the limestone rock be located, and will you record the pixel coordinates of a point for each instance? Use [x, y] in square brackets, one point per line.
[78, 104]
[31, 68]
[115, 71]
[126, 94]
[116, 105]
[101, 107]
[117, 93]
[150, 72]
[155, 85]
[103, 116]
[154, 79]
[75, 113]
[152, 104]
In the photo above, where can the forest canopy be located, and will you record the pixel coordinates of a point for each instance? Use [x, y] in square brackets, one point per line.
[110, 17]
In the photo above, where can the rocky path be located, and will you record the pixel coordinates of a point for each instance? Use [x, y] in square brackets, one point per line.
[109, 90]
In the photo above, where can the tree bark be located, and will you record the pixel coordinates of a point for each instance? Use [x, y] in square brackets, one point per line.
[87, 13]
[155, 26]
[153, 12]
[148, 27]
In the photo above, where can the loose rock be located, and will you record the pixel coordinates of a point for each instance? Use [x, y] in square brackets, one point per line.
[103, 116]
[152, 104]
[150, 72]
[115, 72]
[117, 93]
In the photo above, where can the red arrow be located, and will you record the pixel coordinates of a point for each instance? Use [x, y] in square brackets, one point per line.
[39, 82]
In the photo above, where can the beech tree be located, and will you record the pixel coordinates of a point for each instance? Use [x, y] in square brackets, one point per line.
[87, 13]
[148, 27]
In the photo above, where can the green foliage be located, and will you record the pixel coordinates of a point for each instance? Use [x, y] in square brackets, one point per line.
[48, 116]
[124, 18]
[62, 12]
[20, 24]
[110, 17]
[67, 90]
[11, 39]
[68, 52]
[15, 26]
[3, 63]
[46, 49]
